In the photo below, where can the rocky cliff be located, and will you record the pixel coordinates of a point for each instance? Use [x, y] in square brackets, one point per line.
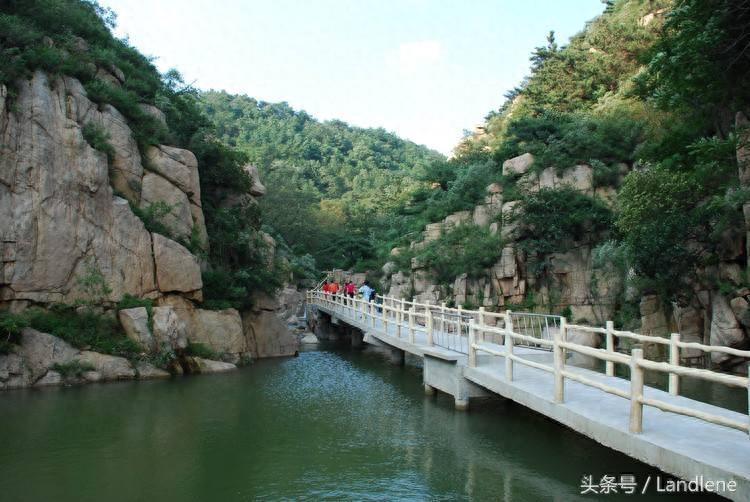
[70, 206]
[572, 282]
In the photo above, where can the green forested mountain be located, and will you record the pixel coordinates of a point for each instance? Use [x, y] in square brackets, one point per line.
[332, 187]
[647, 95]
[654, 86]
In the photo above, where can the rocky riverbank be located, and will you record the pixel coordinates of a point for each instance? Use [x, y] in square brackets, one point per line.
[78, 198]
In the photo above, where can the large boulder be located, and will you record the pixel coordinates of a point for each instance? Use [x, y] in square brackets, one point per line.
[653, 319]
[153, 112]
[291, 299]
[509, 226]
[725, 329]
[147, 371]
[432, 231]
[266, 333]
[135, 323]
[257, 188]
[157, 189]
[51, 378]
[13, 372]
[219, 330]
[40, 351]
[179, 167]
[176, 268]
[482, 215]
[690, 326]
[210, 366]
[518, 165]
[170, 331]
[457, 218]
[741, 309]
[587, 339]
[108, 367]
[579, 177]
[506, 267]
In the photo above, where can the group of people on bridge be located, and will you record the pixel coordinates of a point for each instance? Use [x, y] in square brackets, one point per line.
[349, 289]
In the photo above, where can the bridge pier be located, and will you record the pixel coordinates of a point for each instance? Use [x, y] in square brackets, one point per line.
[356, 337]
[461, 404]
[322, 326]
[397, 356]
[444, 371]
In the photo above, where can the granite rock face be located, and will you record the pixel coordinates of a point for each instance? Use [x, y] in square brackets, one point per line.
[266, 330]
[72, 212]
[68, 206]
[177, 270]
[578, 277]
[135, 323]
[170, 332]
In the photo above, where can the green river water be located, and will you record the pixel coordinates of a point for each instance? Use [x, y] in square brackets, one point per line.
[329, 424]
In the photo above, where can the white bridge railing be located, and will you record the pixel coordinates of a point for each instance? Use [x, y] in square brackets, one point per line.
[495, 333]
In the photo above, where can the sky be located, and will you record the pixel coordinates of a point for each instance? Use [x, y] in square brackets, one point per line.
[424, 69]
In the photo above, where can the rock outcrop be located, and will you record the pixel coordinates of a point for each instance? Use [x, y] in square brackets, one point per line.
[266, 332]
[40, 357]
[177, 270]
[75, 191]
[570, 282]
[68, 205]
[136, 325]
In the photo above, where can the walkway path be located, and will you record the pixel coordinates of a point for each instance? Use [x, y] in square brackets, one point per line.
[681, 436]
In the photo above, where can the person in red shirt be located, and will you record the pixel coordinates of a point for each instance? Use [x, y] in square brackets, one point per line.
[326, 288]
[333, 287]
[349, 289]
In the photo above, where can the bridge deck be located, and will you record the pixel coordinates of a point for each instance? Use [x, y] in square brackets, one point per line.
[683, 446]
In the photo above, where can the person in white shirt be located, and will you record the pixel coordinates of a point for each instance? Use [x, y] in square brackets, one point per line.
[367, 291]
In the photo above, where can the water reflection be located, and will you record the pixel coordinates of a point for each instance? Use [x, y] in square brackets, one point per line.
[329, 424]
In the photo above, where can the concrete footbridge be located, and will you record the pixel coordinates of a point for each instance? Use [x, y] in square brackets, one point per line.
[526, 357]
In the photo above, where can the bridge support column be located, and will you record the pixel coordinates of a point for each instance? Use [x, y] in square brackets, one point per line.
[356, 337]
[444, 371]
[461, 404]
[397, 356]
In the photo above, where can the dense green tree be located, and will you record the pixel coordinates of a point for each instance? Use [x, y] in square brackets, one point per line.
[702, 60]
[331, 186]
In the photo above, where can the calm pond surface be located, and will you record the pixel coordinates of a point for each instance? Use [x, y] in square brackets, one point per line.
[329, 424]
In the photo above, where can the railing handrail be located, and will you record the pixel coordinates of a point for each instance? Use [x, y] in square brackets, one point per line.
[393, 310]
[466, 313]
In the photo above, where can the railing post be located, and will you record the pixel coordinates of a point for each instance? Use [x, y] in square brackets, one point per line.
[442, 319]
[559, 362]
[411, 324]
[674, 359]
[372, 312]
[458, 322]
[636, 391]
[472, 350]
[399, 317]
[384, 314]
[748, 398]
[610, 346]
[428, 326]
[481, 322]
[508, 346]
